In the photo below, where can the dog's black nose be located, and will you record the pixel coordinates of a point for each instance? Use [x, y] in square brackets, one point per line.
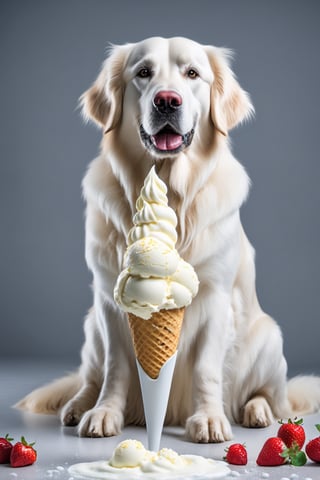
[167, 101]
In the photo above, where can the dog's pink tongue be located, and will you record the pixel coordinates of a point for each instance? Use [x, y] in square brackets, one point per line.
[167, 140]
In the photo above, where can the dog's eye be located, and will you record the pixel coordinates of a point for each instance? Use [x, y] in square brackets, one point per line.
[192, 73]
[144, 72]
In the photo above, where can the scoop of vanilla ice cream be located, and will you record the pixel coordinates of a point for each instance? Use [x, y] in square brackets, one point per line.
[184, 283]
[155, 277]
[129, 453]
[171, 456]
[149, 257]
[144, 296]
[165, 461]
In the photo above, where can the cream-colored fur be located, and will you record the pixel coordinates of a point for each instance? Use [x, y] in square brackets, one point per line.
[230, 365]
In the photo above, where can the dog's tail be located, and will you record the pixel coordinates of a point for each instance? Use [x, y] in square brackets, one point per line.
[304, 395]
[50, 398]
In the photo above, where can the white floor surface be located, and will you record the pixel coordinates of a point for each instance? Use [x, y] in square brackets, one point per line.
[58, 447]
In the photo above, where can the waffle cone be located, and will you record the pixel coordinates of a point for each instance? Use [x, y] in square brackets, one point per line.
[155, 340]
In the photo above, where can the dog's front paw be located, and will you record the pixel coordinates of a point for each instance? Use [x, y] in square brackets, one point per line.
[101, 422]
[204, 428]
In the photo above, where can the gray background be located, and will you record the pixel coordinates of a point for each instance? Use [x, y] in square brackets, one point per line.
[50, 53]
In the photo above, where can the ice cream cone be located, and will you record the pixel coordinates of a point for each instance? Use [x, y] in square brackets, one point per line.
[154, 288]
[156, 340]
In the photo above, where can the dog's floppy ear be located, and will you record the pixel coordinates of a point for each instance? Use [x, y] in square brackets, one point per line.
[102, 102]
[230, 104]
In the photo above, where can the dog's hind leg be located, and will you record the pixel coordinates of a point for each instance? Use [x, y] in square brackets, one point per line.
[257, 413]
[259, 382]
[50, 398]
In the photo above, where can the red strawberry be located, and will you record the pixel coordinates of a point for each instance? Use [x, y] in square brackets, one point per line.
[236, 454]
[313, 448]
[23, 454]
[275, 452]
[271, 453]
[5, 449]
[292, 433]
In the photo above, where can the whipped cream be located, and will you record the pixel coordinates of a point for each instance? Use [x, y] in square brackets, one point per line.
[155, 277]
[131, 460]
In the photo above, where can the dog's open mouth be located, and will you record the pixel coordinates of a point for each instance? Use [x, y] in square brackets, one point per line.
[167, 140]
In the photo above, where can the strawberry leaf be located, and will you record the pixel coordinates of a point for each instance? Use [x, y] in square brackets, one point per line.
[9, 439]
[298, 422]
[299, 459]
[294, 455]
[318, 427]
[25, 443]
[284, 454]
[295, 421]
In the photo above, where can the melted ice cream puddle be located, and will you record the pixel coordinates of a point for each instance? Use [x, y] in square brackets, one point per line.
[131, 460]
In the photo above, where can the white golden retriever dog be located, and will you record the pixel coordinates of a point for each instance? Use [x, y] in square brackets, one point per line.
[171, 102]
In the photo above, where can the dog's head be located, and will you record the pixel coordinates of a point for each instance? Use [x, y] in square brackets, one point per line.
[164, 95]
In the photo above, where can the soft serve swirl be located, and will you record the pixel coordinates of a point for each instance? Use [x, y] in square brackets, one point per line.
[154, 218]
[154, 277]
